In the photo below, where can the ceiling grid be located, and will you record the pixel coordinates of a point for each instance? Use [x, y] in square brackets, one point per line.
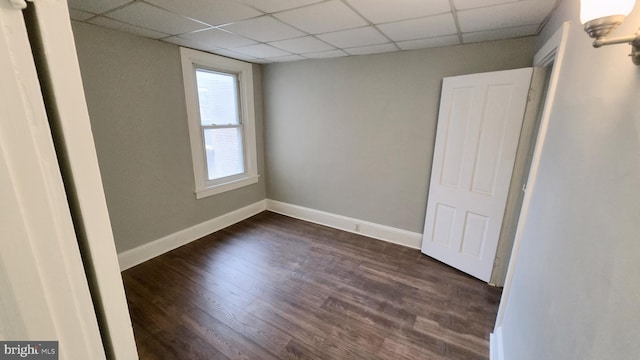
[266, 31]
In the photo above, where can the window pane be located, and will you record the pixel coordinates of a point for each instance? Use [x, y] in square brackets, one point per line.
[223, 148]
[218, 98]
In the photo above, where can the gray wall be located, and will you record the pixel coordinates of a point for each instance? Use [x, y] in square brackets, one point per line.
[576, 289]
[135, 97]
[354, 136]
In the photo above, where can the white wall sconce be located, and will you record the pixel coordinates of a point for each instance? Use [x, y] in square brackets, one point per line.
[600, 17]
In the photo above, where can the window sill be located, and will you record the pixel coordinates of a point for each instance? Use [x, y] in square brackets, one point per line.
[228, 186]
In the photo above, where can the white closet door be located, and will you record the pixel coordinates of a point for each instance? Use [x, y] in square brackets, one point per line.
[476, 141]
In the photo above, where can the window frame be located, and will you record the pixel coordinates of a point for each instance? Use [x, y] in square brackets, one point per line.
[192, 60]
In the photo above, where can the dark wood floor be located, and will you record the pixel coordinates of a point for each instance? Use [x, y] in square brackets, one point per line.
[272, 287]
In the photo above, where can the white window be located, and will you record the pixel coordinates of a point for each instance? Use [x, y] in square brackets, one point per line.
[220, 111]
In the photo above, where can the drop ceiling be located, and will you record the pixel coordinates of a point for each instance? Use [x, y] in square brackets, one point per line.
[266, 31]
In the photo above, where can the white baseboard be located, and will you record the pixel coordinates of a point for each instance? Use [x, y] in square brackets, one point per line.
[135, 256]
[495, 345]
[140, 254]
[376, 231]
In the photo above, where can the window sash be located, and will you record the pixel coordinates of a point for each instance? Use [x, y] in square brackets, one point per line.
[242, 149]
[236, 92]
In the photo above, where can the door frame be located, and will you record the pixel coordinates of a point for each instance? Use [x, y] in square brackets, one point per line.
[42, 273]
[522, 164]
[553, 51]
[56, 57]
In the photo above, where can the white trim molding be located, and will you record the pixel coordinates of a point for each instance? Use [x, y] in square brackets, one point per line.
[495, 345]
[550, 53]
[381, 232]
[148, 251]
[191, 61]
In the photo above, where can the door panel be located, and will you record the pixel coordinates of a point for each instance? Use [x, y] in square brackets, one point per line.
[492, 131]
[444, 221]
[477, 137]
[475, 234]
[454, 143]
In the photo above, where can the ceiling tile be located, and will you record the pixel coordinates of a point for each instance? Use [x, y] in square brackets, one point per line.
[213, 12]
[372, 49]
[472, 4]
[500, 34]
[261, 51]
[186, 43]
[153, 18]
[117, 25]
[245, 32]
[264, 29]
[79, 15]
[302, 45]
[270, 6]
[502, 16]
[215, 38]
[324, 17]
[233, 54]
[325, 54]
[383, 11]
[429, 43]
[286, 58]
[354, 37]
[96, 6]
[427, 27]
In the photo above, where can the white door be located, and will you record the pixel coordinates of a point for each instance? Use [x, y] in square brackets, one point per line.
[476, 141]
[45, 294]
[55, 54]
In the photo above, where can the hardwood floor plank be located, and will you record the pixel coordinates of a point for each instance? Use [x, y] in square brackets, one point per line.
[149, 347]
[180, 341]
[336, 342]
[474, 344]
[397, 350]
[229, 342]
[272, 287]
[295, 350]
[400, 332]
[218, 306]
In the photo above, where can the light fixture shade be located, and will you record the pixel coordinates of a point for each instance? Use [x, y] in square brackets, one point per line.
[596, 9]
